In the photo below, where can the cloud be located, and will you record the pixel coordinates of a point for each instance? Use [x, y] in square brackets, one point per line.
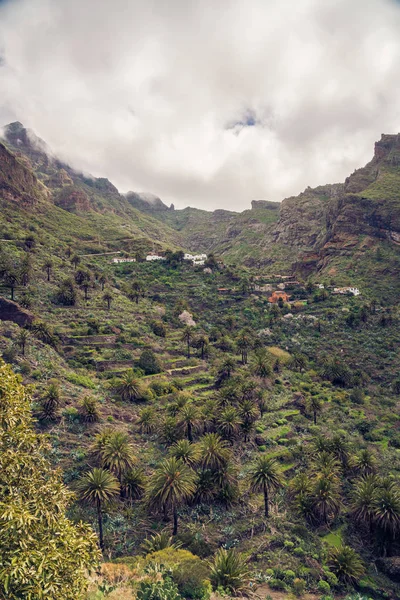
[209, 104]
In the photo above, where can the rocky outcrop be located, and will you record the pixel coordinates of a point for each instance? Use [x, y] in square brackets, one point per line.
[73, 199]
[18, 184]
[11, 311]
[255, 204]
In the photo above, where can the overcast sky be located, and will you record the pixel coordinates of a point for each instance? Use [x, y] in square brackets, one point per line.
[208, 103]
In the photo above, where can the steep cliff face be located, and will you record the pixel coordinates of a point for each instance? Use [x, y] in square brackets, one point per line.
[18, 184]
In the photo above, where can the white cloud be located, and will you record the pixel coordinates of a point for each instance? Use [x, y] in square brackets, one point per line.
[155, 95]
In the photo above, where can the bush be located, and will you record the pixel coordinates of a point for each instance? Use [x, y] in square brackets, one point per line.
[278, 584]
[299, 585]
[323, 586]
[159, 590]
[149, 363]
[192, 580]
[159, 329]
[81, 380]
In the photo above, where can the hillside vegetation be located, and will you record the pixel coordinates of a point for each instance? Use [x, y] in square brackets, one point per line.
[212, 441]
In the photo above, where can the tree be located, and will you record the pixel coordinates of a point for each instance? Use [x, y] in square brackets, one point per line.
[262, 364]
[48, 265]
[314, 404]
[147, 420]
[202, 343]
[346, 564]
[172, 485]
[51, 401]
[43, 554]
[228, 422]
[365, 462]
[75, 260]
[88, 409]
[22, 339]
[149, 362]
[214, 451]
[186, 452]
[386, 515]
[224, 371]
[244, 343]
[128, 387]
[187, 337]
[336, 371]
[363, 500]
[133, 484]
[298, 362]
[11, 280]
[136, 291]
[325, 499]
[190, 416]
[118, 454]
[108, 297]
[66, 293]
[98, 488]
[265, 477]
[102, 281]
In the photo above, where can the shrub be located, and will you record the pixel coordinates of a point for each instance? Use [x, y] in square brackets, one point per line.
[299, 585]
[159, 329]
[159, 590]
[81, 380]
[323, 586]
[192, 580]
[71, 414]
[149, 363]
[278, 584]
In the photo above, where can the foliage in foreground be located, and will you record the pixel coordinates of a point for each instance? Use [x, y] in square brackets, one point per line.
[43, 554]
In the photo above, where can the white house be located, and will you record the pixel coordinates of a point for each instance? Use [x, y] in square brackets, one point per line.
[347, 290]
[123, 260]
[152, 257]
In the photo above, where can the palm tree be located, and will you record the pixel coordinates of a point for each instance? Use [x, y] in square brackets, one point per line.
[186, 452]
[248, 412]
[365, 462]
[325, 499]
[48, 265]
[117, 454]
[228, 422]
[147, 420]
[202, 343]
[75, 260]
[22, 339]
[172, 484]
[129, 387]
[98, 488]
[363, 500]
[89, 410]
[314, 404]
[225, 371]
[265, 476]
[136, 291]
[102, 281]
[189, 416]
[107, 297]
[386, 508]
[214, 451]
[187, 336]
[346, 564]
[11, 280]
[262, 364]
[133, 484]
[298, 362]
[244, 344]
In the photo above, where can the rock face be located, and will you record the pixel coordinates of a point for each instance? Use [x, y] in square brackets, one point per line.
[17, 182]
[11, 311]
[147, 202]
[255, 204]
[73, 199]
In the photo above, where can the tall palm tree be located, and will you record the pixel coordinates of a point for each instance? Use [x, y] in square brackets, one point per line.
[133, 484]
[107, 297]
[325, 499]
[128, 387]
[48, 265]
[214, 451]
[98, 488]
[314, 405]
[265, 476]
[187, 337]
[172, 484]
[243, 343]
[190, 416]
[22, 339]
[118, 454]
[363, 500]
[387, 512]
[262, 366]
